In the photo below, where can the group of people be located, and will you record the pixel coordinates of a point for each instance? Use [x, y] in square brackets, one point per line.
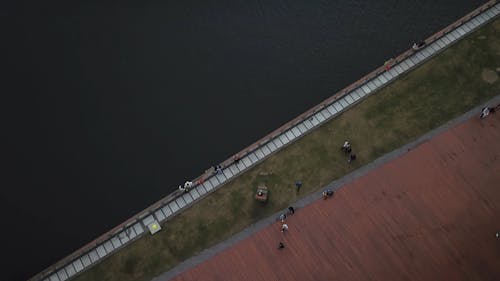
[348, 150]
[290, 211]
[283, 216]
[186, 187]
[284, 226]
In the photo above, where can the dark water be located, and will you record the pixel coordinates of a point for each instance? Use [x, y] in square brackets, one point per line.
[106, 107]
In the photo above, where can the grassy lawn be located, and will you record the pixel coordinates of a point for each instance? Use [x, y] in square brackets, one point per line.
[434, 93]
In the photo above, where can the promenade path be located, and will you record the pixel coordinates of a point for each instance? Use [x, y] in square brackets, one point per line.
[430, 214]
[173, 204]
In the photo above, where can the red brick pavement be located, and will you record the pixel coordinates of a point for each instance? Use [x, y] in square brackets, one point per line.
[431, 214]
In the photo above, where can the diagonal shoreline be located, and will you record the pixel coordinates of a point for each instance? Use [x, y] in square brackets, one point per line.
[336, 184]
[140, 222]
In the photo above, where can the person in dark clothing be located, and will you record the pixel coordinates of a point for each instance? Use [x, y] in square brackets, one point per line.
[282, 217]
[352, 157]
[291, 210]
[327, 193]
[281, 245]
[346, 147]
[298, 184]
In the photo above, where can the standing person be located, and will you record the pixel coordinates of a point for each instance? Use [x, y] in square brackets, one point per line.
[298, 184]
[484, 112]
[346, 146]
[352, 157]
[281, 245]
[291, 210]
[284, 227]
[236, 158]
[219, 169]
[282, 217]
[327, 193]
[187, 186]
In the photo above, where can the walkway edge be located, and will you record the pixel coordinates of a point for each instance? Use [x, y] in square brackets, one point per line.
[336, 185]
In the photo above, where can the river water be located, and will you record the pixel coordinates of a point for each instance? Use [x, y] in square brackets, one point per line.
[107, 107]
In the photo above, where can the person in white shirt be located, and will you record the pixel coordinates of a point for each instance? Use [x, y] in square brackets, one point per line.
[284, 227]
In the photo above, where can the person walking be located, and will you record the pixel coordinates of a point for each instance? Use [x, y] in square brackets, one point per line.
[347, 147]
[298, 184]
[484, 112]
[284, 227]
[352, 157]
[327, 193]
[282, 218]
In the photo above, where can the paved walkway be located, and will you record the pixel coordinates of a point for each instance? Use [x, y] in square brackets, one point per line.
[428, 211]
[170, 206]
